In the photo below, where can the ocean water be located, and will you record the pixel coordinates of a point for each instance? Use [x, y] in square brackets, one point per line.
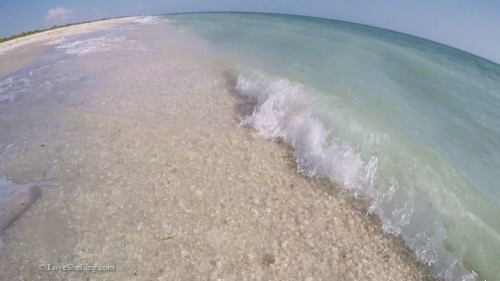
[410, 124]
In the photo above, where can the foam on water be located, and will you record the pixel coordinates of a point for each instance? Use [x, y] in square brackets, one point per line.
[408, 123]
[14, 88]
[284, 110]
[36, 82]
[312, 124]
[106, 43]
[40, 78]
[149, 20]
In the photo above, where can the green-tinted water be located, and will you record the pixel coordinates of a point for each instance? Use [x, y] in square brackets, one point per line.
[411, 123]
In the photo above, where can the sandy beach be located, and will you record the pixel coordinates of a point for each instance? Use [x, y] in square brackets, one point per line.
[152, 174]
[52, 37]
[16, 53]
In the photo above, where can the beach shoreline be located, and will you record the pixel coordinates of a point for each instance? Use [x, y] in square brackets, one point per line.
[52, 37]
[18, 53]
[157, 178]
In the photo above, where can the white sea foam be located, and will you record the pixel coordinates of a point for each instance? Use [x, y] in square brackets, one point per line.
[5, 149]
[35, 83]
[282, 109]
[109, 42]
[349, 153]
[148, 20]
[12, 88]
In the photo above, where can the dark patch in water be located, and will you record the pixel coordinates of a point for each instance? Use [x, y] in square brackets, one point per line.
[17, 207]
[268, 259]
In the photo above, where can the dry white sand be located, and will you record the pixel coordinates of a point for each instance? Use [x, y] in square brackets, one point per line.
[158, 179]
[51, 37]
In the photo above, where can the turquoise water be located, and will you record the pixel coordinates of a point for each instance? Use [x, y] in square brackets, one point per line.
[411, 124]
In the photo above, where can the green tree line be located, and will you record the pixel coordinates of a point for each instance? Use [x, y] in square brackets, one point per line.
[27, 33]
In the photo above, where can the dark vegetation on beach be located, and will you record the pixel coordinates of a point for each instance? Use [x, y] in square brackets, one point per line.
[27, 33]
[31, 32]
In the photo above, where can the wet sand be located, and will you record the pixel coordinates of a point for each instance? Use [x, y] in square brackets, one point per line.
[51, 37]
[158, 179]
[17, 53]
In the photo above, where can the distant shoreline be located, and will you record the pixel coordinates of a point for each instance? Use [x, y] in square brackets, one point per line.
[31, 32]
[53, 35]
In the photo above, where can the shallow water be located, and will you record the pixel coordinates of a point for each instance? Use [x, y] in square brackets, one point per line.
[157, 179]
[406, 123]
[409, 123]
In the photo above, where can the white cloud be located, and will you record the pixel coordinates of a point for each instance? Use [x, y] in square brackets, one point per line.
[58, 15]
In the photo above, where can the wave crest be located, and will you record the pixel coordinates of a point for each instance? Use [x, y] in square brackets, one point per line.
[330, 142]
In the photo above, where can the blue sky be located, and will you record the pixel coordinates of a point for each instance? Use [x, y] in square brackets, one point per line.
[470, 25]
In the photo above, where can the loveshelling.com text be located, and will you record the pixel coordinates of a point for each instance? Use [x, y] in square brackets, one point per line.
[77, 267]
